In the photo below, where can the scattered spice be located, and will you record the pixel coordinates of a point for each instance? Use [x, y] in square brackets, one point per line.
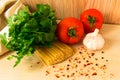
[72, 74]
[67, 68]
[102, 57]
[63, 75]
[102, 52]
[96, 59]
[53, 66]
[94, 74]
[96, 64]
[68, 65]
[38, 62]
[86, 74]
[68, 76]
[92, 54]
[61, 69]
[80, 52]
[106, 60]
[87, 60]
[47, 72]
[77, 65]
[57, 75]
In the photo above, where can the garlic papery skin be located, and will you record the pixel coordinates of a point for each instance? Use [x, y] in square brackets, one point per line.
[94, 40]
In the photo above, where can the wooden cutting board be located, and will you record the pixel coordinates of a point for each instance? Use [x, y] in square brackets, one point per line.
[84, 65]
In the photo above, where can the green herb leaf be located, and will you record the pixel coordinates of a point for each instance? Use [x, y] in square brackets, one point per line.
[27, 30]
[3, 39]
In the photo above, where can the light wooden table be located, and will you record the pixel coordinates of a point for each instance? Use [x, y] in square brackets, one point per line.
[31, 69]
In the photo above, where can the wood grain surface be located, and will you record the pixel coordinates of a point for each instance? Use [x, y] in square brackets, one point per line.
[31, 68]
[67, 8]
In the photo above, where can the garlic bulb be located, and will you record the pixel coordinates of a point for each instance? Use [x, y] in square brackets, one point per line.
[94, 41]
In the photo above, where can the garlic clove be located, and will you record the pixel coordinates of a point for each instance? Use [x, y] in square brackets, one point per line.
[94, 40]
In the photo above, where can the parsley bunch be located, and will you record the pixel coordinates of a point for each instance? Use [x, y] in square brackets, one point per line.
[27, 30]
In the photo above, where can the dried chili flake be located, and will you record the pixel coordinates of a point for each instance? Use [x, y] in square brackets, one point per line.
[89, 63]
[57, 75]
[63, 75]
[85, 65]
[79, 61]
[102, 52]
[47, 72]
[96, 59]
[72, 74]
[94, 74]
[86, 74]
[38, 62]
[76, 66]
[89, 56]
[61, 68]
[87, 60]
[102, 57]
[92, 54]
[106, 60]
[80, 52]
[53, 66]
[68, 76]
[67, 68]
[68, 65]
[96, 64]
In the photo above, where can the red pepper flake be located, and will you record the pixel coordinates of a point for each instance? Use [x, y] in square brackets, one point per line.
[70, 60]
[57, 75]
[96, 59]
[63, 75]
[83, 58]
[94, 74]
[102, 52]
[72, 74]
[92, 54]
[81, 74]
[80, 52]
[85, 65]
[47, 72]
[53, 66]
[89, 56]
[112, 75]
[87, 60]
[86, 74]
[96, 64]
[106, 60]
[76, 66]
[102, 57]
[68, 65]
[38, 62]
[89, 63]
[76, 58]
[79, 61]
[67, 68]
[103, 67]
[61, 69]
[92, 68]
[68, 76]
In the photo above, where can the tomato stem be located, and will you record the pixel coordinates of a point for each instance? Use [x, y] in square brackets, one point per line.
[92, 21]
[72, 32]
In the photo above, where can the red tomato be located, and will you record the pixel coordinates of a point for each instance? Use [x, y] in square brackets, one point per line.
[70, 30]
[91, 19]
